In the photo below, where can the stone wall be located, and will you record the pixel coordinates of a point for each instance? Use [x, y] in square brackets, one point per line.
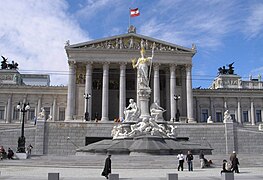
[63, 138]
[249, 140]
[9, 137]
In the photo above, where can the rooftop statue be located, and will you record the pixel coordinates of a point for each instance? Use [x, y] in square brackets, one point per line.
[223, 70]
[5, 65]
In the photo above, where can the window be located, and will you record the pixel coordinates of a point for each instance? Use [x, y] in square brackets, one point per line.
[258, 116]
[61, 114]
[31, 114]
[245, 116]
[16, 114]
[47, 112]
[2, 112]
[233, 116]
[204, 115]
[219, 116]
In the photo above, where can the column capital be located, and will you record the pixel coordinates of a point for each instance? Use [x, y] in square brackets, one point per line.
[188, 66]
[156, 66]
[172, 67]
[122, 65]
[71, 63]
[106, 65]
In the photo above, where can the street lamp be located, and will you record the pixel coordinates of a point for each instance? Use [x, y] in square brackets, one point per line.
[87, 97]
[24, 107]
[177, 114]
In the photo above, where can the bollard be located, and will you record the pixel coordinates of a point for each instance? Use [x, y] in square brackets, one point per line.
[172, 176]
[227, 176]
[53, 176]
[113, 176]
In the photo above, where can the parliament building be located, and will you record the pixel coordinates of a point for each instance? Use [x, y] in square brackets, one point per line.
[102, 80]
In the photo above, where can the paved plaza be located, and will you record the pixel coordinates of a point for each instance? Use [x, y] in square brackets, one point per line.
[128, 167]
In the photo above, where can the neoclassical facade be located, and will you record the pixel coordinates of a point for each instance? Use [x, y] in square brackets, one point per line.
[103, 69]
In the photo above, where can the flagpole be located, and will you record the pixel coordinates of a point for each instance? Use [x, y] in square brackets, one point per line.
[129, 18]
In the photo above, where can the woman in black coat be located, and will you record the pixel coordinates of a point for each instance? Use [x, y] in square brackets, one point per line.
[107, 167]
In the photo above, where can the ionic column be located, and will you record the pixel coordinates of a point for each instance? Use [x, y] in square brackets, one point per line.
[54, 109]
[105, 93]
[239, 116]
[122, 99]
[39, 104]
[9, 109]
[156, 83]
[71, 99]
[88, 88]
[252, 111]
[167, 93]
[212, 109]
[189, 96]
[172, 91]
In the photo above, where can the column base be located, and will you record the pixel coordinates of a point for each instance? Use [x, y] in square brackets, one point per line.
[104, 119]
[191, 120]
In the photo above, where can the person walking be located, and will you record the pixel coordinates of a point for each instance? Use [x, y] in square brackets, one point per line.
[189, 159]
[235, 164]
[107, 167]
[180, 157]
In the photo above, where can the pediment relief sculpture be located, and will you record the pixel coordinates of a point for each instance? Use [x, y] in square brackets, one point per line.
[131, 42]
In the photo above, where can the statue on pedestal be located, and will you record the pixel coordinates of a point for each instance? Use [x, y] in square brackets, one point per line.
[143, 63]
[157, 111]
[227, 117]
[132, 112]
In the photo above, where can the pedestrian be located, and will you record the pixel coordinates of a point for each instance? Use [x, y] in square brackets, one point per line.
[189, 159]
[202, 159]
[10, 154]
[235, 164]
[180, 157]
[226, 167]
[29, 149]
[107, 167]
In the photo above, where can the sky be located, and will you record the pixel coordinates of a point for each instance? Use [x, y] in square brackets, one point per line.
[33, 32]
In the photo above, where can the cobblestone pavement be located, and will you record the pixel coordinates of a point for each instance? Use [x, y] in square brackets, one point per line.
[128, 168]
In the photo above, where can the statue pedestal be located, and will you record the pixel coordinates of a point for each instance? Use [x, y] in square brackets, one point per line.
[21, 155]
[144, 95]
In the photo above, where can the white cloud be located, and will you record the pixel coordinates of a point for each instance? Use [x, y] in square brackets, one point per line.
[203, 22]
[254, 22]
[33, 33]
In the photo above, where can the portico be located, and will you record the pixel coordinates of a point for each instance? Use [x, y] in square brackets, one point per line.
[103, 69]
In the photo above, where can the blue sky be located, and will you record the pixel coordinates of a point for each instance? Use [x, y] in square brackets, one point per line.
[33, 32]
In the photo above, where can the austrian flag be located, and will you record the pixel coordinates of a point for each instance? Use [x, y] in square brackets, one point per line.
[134, 12]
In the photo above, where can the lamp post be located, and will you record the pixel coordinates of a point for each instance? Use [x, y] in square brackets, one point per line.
[177, 114]
[24, 107]
[87, 97]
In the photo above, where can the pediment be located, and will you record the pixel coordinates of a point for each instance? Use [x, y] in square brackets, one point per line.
[131, 41]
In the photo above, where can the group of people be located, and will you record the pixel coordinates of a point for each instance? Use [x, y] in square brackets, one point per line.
[10, 153]
[189, 159]
[231, 166]
[3, 154]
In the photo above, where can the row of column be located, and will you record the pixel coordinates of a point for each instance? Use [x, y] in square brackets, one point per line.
[239, 113]
[9, 108]
[71, 99]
